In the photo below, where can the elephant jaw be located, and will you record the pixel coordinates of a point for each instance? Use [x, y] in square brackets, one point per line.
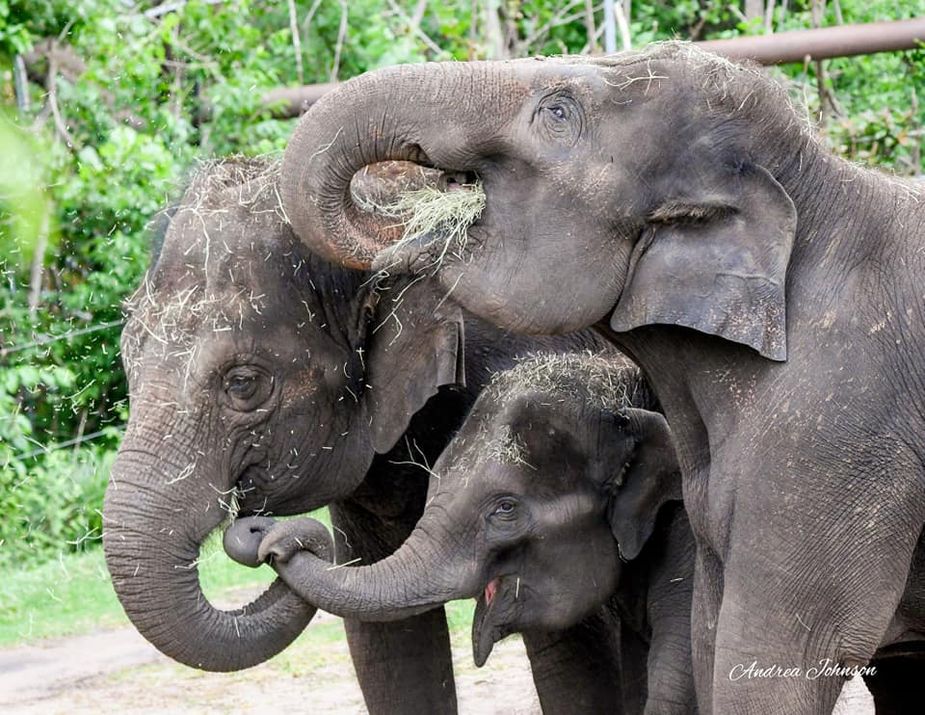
[496, 613]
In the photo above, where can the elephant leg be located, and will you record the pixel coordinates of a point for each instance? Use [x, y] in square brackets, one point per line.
[634, 671]
[577, 670]
[402, 666]
[708, 585]
[795, 621]
[897, 684]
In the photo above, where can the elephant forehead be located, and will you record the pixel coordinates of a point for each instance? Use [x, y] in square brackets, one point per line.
[175, 319]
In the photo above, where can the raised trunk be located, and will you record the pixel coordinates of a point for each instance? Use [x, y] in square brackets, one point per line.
[155, 525]
[419, 576]
[389, 115]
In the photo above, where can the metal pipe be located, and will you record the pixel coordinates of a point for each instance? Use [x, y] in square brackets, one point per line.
[779, 48]
[823, 43]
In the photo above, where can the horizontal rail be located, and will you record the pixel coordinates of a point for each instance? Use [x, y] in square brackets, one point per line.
[823, 43]
[779, 48]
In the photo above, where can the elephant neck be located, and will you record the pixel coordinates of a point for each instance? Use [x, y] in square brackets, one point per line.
[847, 215]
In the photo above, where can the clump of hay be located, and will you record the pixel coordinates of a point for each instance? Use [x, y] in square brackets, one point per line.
[429, 212]
[599, 382]
[603, 381]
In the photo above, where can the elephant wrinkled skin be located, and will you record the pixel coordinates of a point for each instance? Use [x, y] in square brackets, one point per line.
[265, 380]
[557, 506]
[771, 293]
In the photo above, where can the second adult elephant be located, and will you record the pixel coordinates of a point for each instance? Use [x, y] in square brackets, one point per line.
[265, 380]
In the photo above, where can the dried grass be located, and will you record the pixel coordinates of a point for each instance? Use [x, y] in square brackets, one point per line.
[207, 287]
[594, 381]
[432, 214]
[605, 382]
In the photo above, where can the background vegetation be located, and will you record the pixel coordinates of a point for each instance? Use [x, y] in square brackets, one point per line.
[106, 104]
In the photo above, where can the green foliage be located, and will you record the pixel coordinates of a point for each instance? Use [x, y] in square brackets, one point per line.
[53, 506]
[138, 99]
[73, 595]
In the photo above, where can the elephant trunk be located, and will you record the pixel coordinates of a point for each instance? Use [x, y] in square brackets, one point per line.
[156, 522]
[403, 113]
[418, 577]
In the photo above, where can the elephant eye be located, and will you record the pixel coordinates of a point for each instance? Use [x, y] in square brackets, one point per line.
[558, 111]
[242, 386]
[247, 387]
[559, 118]
[505, 508]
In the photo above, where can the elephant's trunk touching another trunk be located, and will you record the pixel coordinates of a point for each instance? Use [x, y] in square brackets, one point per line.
[398, 113]
[154, 530]
[413, 580]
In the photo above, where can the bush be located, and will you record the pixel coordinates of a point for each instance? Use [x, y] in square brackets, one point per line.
[54, 505]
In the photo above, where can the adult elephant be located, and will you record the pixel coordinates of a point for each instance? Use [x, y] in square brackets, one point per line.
[265, 380]
[771, 292]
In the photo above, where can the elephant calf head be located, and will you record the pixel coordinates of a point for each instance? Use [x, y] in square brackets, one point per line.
[558, 472]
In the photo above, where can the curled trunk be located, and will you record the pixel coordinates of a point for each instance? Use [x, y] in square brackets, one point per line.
[154, 530]
[399, 113]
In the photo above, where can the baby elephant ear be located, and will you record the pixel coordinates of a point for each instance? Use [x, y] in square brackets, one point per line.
[650, 480]
[415, 346]
[716, 262]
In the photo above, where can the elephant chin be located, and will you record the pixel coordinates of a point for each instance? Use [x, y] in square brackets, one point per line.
[495, 613]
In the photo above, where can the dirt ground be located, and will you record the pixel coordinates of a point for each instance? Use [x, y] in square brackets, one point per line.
[118, 671]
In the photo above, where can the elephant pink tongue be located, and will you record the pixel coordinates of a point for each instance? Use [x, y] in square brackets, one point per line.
[490, 590]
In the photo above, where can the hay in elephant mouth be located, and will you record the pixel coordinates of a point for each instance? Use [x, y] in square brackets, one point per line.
[432, 215]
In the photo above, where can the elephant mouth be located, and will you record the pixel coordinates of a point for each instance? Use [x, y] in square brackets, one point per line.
[496, 613]
[439, 223]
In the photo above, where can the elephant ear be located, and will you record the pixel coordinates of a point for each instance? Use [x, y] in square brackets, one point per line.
[414, 347]
[716, 261]
[650, 480]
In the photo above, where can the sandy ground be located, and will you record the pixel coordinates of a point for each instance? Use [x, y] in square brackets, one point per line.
[118, 671]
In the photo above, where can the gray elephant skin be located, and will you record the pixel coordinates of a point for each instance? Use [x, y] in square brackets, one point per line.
[771, 292]
[557, 506]
[265, 380]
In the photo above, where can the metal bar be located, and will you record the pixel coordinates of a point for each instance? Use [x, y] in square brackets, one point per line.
[824, 43]
[780, 48]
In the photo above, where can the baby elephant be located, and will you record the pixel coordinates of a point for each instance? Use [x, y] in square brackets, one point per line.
[557, 504]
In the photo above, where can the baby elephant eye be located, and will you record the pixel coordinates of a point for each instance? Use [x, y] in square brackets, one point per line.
[505, 507]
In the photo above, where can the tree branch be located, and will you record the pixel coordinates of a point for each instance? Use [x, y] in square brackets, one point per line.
[51, 81]
[296, 41]
[341, 35]
[21, 84]
[37, 270]
[416, 30]
[589, 26]
[169, 7]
